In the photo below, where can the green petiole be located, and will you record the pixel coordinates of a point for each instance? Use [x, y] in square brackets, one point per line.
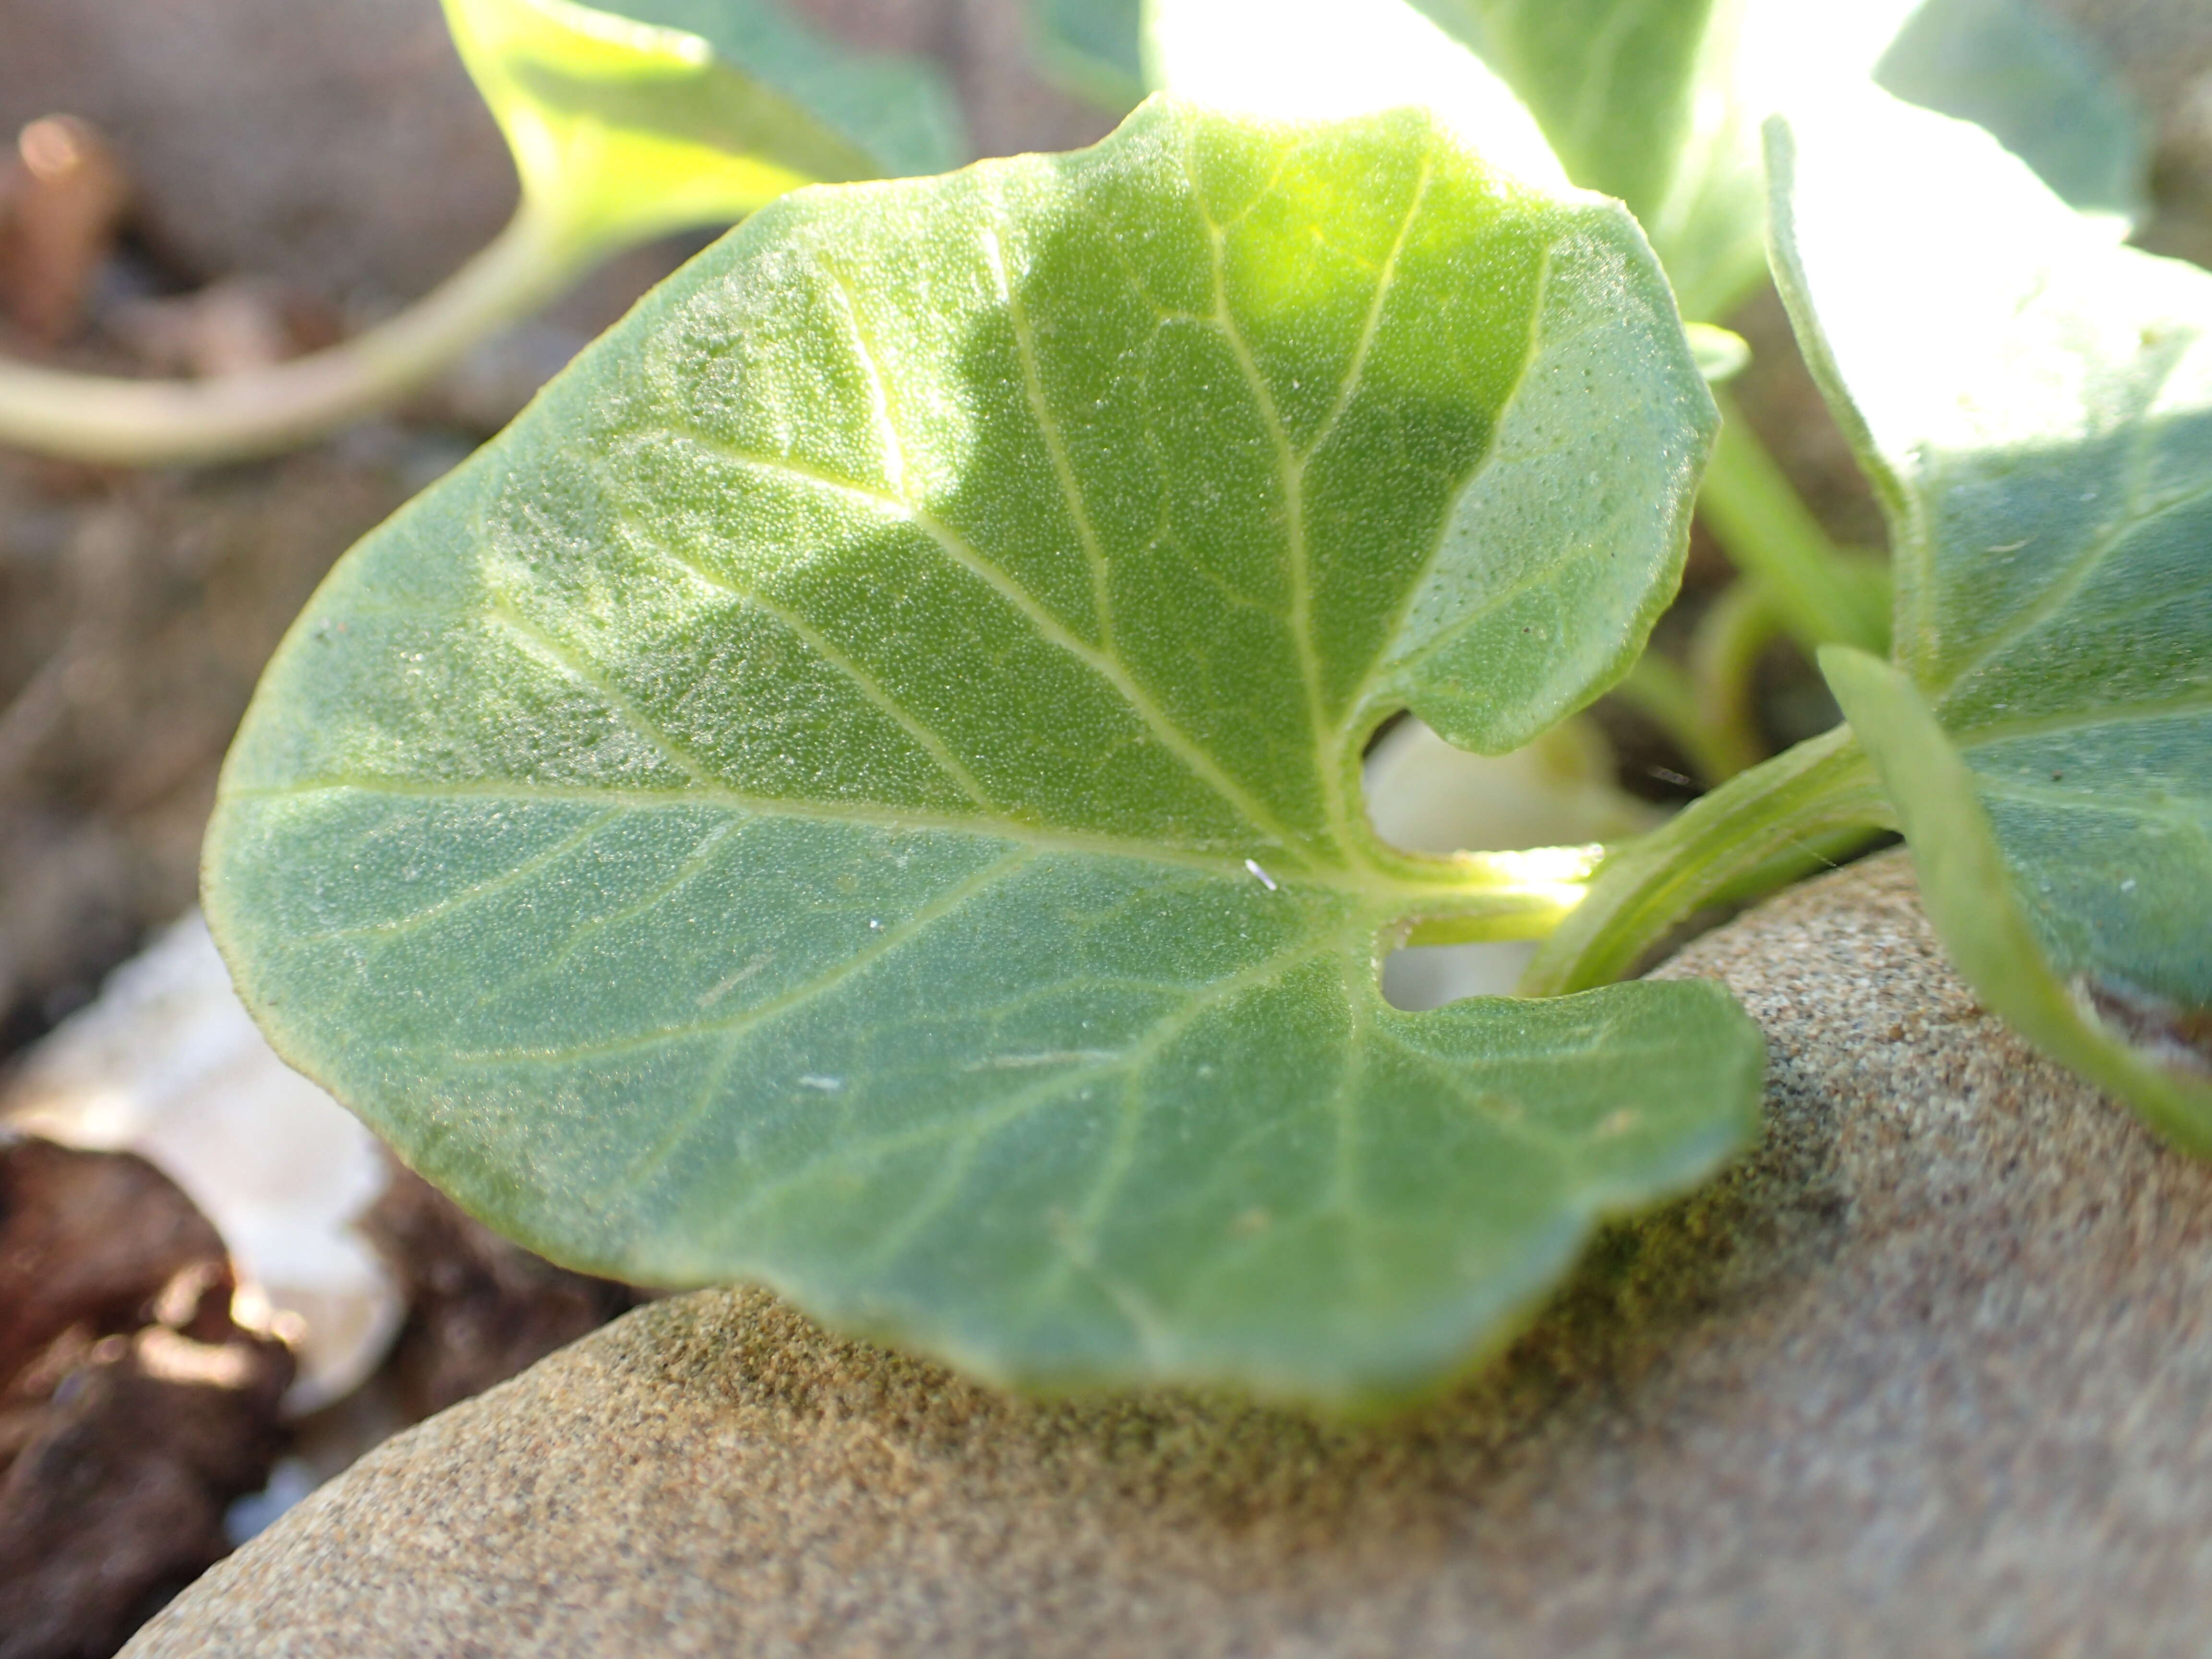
[1772, 537]
[103, 418]
[1765, 827]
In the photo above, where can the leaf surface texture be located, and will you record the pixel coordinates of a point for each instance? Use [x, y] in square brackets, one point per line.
[858, 788]
[2035, 405]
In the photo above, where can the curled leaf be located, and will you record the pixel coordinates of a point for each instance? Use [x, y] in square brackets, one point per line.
[2148, 1050]
[2035, 405]
[640, 116]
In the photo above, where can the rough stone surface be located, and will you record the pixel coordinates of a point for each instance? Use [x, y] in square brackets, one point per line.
[1927, 1374]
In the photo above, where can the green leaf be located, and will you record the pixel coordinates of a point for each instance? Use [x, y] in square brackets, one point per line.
[1660, 102]
[631, 119]
[858, 788]
[1092, 47]
[2149, 1052]
[2035, 405]
[1643, 99]
[2040, 87]
[1611, 81]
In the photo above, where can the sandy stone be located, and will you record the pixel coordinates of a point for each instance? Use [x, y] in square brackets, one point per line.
[1926, 1374]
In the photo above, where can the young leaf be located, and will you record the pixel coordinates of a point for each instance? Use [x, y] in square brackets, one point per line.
[2148, 1052]
[857, 788]
[1660, 102]
[1611, 81]
[638, 116]
[2035, 405]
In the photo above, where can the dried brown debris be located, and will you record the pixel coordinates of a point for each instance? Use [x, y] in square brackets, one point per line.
[134, 1406]
[481, 1309]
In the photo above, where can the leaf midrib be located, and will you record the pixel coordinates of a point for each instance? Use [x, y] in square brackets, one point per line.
[1329, 738]
[1063, 469]
[1390, 894]
[1072, 1240]
[2134, 512]
[1103, 663]
[1970, 737]
[1106, 666]
[977, 1126]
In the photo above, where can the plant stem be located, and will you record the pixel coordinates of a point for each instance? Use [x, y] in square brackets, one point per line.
[1762, 828]
[1770, 533]
[87, 418]
[1723, 655]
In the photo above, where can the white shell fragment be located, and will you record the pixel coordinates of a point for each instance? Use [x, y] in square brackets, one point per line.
[168, 1063]
[1425, 796]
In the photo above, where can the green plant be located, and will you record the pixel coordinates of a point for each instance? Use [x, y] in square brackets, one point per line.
[859, 788]
[626, 121]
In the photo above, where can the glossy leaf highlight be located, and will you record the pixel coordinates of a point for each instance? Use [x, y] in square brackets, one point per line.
[1331, 59]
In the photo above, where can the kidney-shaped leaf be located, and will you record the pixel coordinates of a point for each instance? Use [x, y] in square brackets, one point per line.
[2036, 405]
[857, 788]
[636, 116]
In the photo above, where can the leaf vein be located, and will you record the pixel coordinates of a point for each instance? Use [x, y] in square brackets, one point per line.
[1170, 736]
[695, 864]
[1359, 700]
[872, 690]
[1291, 473]
[2069, 585]
[1063, 468]
[2190, 702]
[641, 724]
[775, 1007]
[1385, 276]
[1385, 889]
[401, 926]
[1025, 1101]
